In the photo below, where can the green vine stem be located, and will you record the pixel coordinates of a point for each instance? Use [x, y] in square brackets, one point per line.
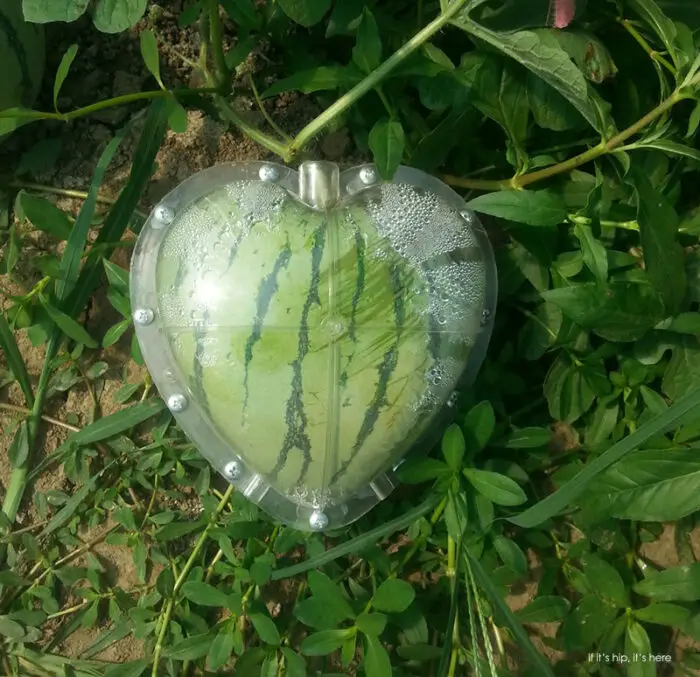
[223, 74]
[653, 54]
[164, 619]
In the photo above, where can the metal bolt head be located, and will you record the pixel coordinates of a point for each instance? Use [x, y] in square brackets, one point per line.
[232, 470]
[143, 316]
[177, 403]
[269, 173]
[368, 175]
[318, 520]
[468, 217]
[162, 216]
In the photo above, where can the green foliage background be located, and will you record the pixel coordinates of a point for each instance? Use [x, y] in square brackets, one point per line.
[580, 149]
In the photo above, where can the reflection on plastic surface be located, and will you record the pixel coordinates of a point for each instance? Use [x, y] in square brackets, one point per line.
[317, 328]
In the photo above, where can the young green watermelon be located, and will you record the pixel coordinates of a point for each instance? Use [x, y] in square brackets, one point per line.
[22, 55]
[320, 344]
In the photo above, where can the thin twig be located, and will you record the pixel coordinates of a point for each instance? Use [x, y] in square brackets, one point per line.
[48, 419]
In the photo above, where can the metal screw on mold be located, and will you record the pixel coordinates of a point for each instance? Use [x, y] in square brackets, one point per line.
[485, 316]
[177, 403]
[368, 175]
[143, 316]
[468, 217]
[268, 173]
[318, 520]
[162, 216]
[233, 470]
[453, 399]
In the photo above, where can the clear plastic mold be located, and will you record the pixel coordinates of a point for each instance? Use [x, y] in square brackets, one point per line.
[308, 328]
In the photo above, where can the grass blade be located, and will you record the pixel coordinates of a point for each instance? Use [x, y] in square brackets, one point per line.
[117, 632]
[104, 428]
[513, 623]
[564, 497]
[356, 544]
[446, 657]
[14, 359]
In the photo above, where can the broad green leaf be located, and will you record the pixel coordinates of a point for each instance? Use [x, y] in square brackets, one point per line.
[667, 147]
[330, 594]
[314, 613]
[324, 642]
[13, 359]
[419, 470]
[221, 649]
[683, 323]
[594, 254]
[243, 13]
[345, 17]
[453, 447]
[540, 52]
[637, 644]
[69, 326]
[149, 53]
[177, 117]
[608, 582]
[115, 332]
[266, 628]
[203, 593]
[479, 425]
[534, 208]
[46, 11]
[619, 311]
[500, 489]
[663, 254]
[549, 108]
[189, 649]
[116, 276]
[387, 142]
[367, 52]
[62, 72]
[115, 16]
[18, 452]
[663, 613]
[587, 623]
[11, 629]
[683, 370]
[661, 25]
[376, 659]
[371, 624]
[295, 665]
[315, 80]
[305, 12]
[580, 483]
[359, 543]
[511, 554]
[190, 14]
[544, 609]
[177, 530]
[128, 669]
[393, 596]
[46, 216]
[651, 485]
[527, 438]
[675, 584]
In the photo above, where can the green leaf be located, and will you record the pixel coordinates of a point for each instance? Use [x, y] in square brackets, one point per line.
[608, 582]
[500, 489]
[479, 425]
[534, 208]
[115, 332]
[675, 584]
[14, 361]
[177, 117]
[541, 53]
[266, 628]
[41, 11]
[324, 642]
[243, 13]
[594, 253]
[419, 470]
[62, 72]
[652, 485]
[305, 12]
[393, 596]
[11, 629]
[203, 594]
[315, 80]
[45, 216]
[177, 530]
[116, 16]
[683, 370]
[387, 142]
[18, 452]
[544, 609]
[128, 669]
[295, 665]
[511, 554]
[330, 594]
[189, 649]
[149, 53]
[619, 311]
[637, 644]
[662, 25]
[663, 613]
[527, 438]
[371, 624]
[367, 52]
[359, 543]
[579, 484]
[313, 613]
[453, 447]
[587, 623]
[69, 326]
[376, 659]
[663, 254]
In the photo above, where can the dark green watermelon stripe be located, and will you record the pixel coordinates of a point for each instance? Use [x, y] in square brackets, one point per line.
[196, 384]
[18, 49]
[386, 369]
[267, 290]
[359, 285]
[296, 436]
